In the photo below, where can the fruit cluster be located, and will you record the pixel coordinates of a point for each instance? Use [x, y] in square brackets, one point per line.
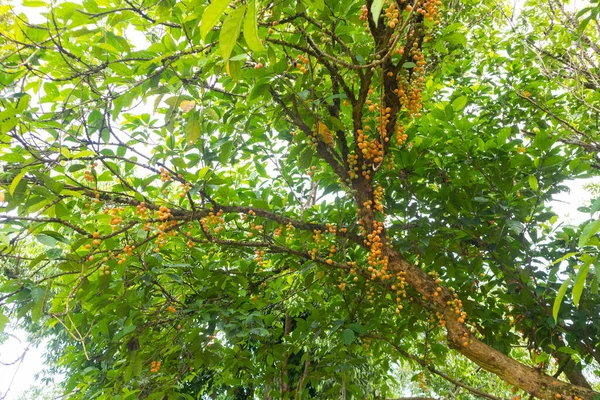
[104, 270]
[165, 175]
[155, 366]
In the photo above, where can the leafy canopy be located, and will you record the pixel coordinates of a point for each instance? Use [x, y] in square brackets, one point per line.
[311, 199]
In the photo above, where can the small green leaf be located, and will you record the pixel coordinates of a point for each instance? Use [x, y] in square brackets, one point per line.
[579, 283]
[516, 226]
[503, 135]
[3, 321]
[317, 4]
[559, 296]
[231, 31]
[376, 8]
[358, 328]
[566, 350]
[251, 28]
[4, 240]
[533, 182]
[542, 357]
[347, 336]
[234, 69]
[457, 38]
[211, 16]
[459, 103]
[595, 206]
[588, 231]
[192, 130]
[51, 90]
[563, 258]
[23, 102]
[15, 182]
[83, 153]
[408, 65]
[175, 277]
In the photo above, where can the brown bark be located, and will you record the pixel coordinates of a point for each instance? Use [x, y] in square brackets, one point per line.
[303, 377]
[490, 359]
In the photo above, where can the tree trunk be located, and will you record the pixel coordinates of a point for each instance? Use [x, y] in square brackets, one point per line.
[490, 359]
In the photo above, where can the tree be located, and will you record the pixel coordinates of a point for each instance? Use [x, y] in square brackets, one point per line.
[282, 200]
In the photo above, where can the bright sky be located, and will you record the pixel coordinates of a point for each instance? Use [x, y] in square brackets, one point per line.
[21, 374]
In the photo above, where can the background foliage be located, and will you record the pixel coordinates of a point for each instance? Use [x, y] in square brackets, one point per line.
[313, 199]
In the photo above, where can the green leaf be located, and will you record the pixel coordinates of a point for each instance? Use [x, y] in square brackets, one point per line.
[4, 240]
[23, 102]
[559, 297]
[376, 8]
[567, 350]
[83, 153]
[175, 277]
[51, 90]
[457, 38]
[15, 182]
[347, 336]
[231, 31]
[533, 182]
[516, 226]
[358, 328]
[202, 172]
[211, 16]
[192, 130]
[569, 255]
[3, 321]
[595, 206]
[503, 135]
[251, 28]
[579, 283]
[7, 123]
[46, 240]
[542, 357]
[588, 231]
[459, 103]
[316, 4]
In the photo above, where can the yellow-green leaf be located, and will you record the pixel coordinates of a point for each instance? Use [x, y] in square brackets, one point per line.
[533, 182]
[563, 258]
[559, 296]
[3, 321]
[588, 231]
[234, 69]
[459, 103]
[579, 283]
[211, 16]
[83, 153]
[192, 131]
[16, 181]
[230, 31]
[251, 28]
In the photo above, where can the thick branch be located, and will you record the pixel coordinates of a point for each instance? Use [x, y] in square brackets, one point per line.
[490, 359]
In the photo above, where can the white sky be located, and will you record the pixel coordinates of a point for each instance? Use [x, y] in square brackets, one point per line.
[21, 374]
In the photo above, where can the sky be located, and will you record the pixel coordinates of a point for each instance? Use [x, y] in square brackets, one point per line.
[19, 376]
